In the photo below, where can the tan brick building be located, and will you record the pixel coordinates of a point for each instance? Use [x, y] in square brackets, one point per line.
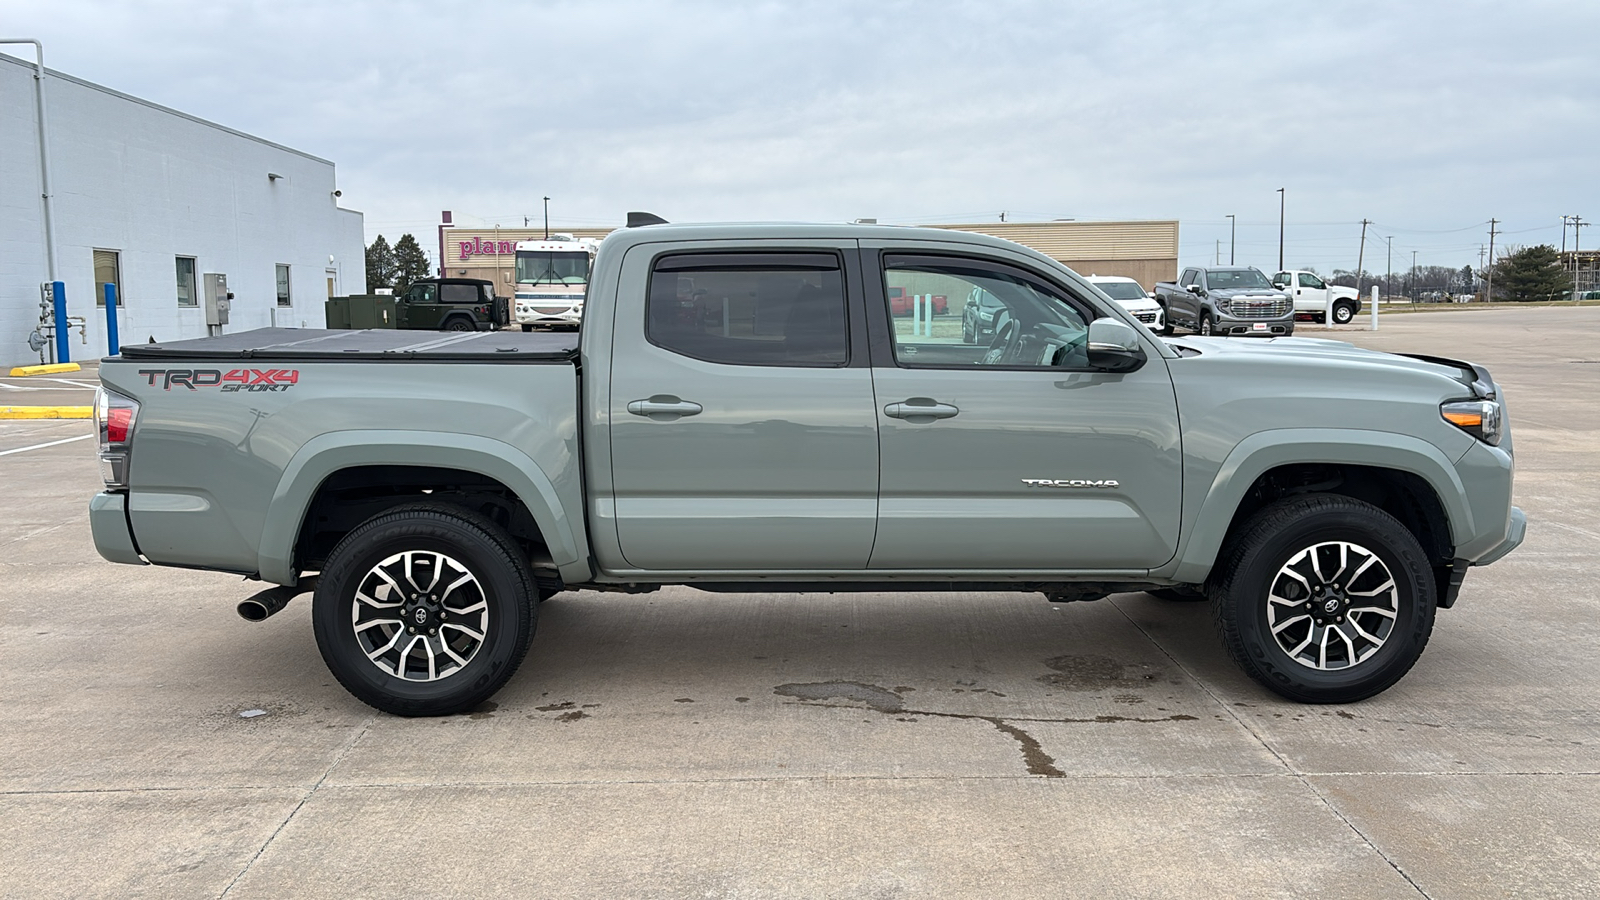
[1146, 251]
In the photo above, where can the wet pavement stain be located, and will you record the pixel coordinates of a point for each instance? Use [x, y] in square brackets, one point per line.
[484, 710]
[1091, 673]
[880, 699]
[555, 707]
[883, 700]
[572, 716]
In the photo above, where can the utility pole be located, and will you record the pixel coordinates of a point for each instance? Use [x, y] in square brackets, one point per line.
[1577, 222]
[1281, 198]
[1232, 225]
[547, 218]
[1488, 284]
[1217, 258]
[1361, 256]
[1388, 269]
[524, 221]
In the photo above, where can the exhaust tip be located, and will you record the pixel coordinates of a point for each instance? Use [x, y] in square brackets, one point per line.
[254, 610]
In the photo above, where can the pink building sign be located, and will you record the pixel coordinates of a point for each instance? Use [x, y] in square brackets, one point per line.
[481, 247]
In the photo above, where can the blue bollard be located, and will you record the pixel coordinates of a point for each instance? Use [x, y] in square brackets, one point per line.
[112, 346]
[59, 289]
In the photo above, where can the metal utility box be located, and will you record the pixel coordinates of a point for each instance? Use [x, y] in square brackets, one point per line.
[362, 311]
[372, 311]
[218, 298]
[338, 312]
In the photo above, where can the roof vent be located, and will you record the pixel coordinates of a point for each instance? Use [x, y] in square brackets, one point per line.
[640, 219]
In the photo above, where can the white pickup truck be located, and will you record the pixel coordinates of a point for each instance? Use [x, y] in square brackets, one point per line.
[1317, 301]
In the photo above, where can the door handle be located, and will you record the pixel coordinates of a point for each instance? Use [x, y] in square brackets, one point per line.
[666, 406]
[920, 408]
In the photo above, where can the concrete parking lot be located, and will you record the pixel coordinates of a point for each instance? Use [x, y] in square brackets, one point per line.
[883, 745]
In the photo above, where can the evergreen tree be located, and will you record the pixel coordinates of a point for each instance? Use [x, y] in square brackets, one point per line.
[410, 263]
[1531, 273]
[380, 265]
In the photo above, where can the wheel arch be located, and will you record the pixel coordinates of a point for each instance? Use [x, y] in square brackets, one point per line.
[1406, 476]
[347, 459]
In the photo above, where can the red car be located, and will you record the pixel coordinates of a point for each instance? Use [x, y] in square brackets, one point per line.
[900, 303]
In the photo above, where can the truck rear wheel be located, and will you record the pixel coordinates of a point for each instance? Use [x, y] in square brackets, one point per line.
[424, 610]
[459, 323]
[1324, 599]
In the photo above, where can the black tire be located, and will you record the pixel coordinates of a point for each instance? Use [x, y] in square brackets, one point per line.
[474, 544]
[1205, 328]
[527, 327]
[969, 335]
[1179, 594]
[1343, 313]
[1166, 323]
[1252, 567]
[458, 323]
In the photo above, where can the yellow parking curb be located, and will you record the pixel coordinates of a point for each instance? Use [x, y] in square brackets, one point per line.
[46, 412]
[52, 369]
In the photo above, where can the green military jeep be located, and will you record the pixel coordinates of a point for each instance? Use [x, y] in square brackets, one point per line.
[451, 304]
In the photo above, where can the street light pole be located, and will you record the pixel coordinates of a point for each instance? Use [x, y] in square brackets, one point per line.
[1232, 223]
[1281, 198]
[547, 218]
[1413, 276]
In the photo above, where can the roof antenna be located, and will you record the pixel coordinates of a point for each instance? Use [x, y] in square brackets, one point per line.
[640, 219]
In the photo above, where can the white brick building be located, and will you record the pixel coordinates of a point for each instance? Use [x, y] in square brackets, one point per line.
[152, 199]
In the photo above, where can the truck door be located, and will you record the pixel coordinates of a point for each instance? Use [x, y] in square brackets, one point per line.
[1012, 455]
[1310, 294]
[742, 421]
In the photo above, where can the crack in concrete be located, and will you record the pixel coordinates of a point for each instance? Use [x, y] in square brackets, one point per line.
[888, 702]
[1282, 760]
[343, 752]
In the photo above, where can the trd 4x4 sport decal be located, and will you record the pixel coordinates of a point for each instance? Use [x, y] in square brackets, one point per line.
[253, 380]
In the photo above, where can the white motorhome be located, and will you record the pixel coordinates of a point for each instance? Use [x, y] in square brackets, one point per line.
[552, 280]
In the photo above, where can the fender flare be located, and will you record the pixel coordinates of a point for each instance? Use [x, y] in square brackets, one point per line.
[1266, 450]
[326, 454]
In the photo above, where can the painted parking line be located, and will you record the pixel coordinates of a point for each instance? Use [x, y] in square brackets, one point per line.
[81, 437]
[46, 412]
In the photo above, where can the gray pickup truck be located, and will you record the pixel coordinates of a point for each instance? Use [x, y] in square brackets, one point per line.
[1226, 300]
[431, 490]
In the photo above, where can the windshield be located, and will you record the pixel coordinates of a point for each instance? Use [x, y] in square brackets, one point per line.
[1229, 279]
[552, 267]
[1121, 290]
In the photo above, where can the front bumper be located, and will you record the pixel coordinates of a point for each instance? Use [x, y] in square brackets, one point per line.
[1226, 324]
[1515, 532]
[108, 523]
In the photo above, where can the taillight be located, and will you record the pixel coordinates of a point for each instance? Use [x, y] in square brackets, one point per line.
[114, 416]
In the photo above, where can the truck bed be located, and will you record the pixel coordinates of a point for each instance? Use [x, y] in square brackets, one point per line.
[376, 345]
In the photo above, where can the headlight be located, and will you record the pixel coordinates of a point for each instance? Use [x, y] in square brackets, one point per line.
[1224, 304]
[1479, 418]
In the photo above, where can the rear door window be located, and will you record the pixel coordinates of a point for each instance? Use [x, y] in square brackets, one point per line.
[459, 293]
[754, 309]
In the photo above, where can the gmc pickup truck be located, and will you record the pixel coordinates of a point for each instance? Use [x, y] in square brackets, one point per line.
[432, 490]
[1226, 300]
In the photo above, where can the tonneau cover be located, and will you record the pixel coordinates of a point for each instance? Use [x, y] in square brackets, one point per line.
[379, 344]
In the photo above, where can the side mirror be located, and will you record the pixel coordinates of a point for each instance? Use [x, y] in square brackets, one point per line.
[1114, 346]
[1194, 288]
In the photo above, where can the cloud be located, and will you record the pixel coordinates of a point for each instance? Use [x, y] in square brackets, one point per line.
[1423, 118]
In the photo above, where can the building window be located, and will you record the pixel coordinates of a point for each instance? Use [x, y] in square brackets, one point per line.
[283, 286]
[186, 292]
[107, 270]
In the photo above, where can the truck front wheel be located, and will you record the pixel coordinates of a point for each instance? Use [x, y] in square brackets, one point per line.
[424, 610]
[1205, 324]
[1343, 313]
[1324, 599]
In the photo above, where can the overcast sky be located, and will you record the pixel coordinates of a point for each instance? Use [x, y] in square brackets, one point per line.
[1426, 118]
